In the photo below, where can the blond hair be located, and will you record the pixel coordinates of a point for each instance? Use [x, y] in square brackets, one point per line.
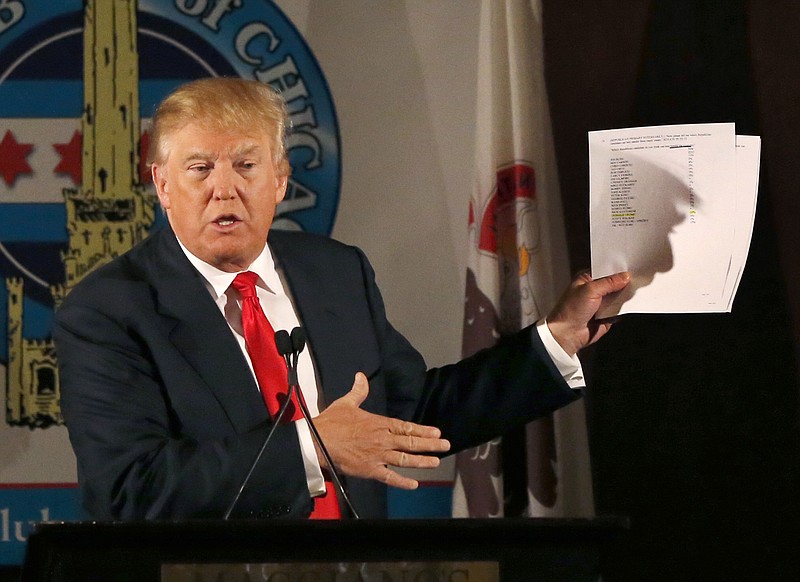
[222, 104]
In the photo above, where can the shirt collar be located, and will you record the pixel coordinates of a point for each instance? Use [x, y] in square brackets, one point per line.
[218, 281]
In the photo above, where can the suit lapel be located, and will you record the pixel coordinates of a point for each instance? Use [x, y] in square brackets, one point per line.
[332, 332]
[202, 336]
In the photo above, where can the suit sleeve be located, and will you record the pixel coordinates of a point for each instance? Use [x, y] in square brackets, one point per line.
[148, 452]
[476, 399]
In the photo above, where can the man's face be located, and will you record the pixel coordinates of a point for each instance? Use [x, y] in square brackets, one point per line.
[220, 191]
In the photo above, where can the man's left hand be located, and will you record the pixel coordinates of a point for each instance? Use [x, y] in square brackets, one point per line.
[572, 321]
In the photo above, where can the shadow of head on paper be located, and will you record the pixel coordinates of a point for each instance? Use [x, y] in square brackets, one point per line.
[646, 213]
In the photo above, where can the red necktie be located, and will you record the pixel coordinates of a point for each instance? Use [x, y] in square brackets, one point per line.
[270, 369]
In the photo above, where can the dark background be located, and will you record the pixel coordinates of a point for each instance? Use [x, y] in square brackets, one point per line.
[693, 418]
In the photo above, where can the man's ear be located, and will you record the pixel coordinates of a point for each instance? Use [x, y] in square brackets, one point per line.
[160, 181]
[281, 182]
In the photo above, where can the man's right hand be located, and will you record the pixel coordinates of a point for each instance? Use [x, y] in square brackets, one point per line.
[366, 445]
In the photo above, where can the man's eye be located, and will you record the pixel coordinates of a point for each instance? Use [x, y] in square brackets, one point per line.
[199, 168]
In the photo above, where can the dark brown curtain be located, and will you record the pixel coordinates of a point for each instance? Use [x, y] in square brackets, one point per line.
[693, 418]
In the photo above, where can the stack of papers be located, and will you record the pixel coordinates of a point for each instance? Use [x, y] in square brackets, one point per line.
[674, 205]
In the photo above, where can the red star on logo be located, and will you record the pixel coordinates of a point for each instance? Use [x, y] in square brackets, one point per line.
[71, 160]
[13, 160]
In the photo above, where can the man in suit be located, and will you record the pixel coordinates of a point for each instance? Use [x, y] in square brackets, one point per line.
[159, 384]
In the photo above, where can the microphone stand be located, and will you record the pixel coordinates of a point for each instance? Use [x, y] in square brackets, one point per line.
[291, 354]
[278, 418]
[290, 348]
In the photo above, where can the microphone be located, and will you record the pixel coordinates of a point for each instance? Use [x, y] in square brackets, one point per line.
[291, 353]
[298, 338]
[285, 346]
[283, 342]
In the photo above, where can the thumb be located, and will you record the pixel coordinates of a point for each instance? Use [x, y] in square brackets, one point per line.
[612, 283]
[359, 392]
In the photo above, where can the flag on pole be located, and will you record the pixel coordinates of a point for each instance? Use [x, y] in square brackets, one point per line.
[516, 268]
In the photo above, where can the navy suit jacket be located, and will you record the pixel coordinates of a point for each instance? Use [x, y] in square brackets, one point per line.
[163, 412]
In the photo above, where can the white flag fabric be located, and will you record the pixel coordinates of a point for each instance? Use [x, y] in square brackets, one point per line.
[517, 263]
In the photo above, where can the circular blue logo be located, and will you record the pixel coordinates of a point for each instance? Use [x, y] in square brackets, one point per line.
[42, 76]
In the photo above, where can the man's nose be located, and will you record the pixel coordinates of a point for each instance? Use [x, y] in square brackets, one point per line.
[224, 183]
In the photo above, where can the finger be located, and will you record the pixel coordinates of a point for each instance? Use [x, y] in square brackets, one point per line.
[415, 444]
[582, 277]
[395, 479]
[408, 460]
[360, 386]
[612, 283]
[358, 393]
[407, 428]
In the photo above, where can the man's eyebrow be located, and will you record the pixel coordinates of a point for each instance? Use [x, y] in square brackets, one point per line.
[244, 150]
[198, 155]
[247, 149]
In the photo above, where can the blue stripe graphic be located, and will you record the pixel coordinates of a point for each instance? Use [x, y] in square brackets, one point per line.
[33, 222]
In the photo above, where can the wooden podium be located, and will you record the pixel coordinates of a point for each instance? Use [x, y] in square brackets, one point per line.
[439, 550]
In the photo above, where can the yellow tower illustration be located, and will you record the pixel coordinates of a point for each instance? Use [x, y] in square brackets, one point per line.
[109, 213]
[32, 381]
